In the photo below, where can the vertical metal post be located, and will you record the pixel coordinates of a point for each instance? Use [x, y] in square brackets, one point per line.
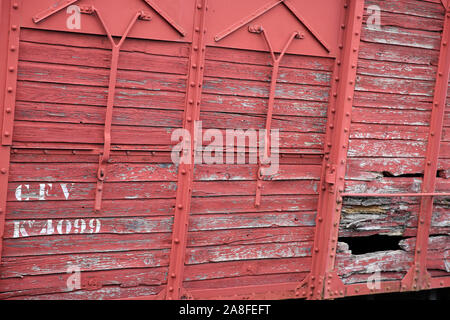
[9, 58]
[186, 170]
[323, 281]
[418, 277]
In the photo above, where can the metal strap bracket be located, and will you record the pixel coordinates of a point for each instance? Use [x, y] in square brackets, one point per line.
[275, 69]
[105, 155]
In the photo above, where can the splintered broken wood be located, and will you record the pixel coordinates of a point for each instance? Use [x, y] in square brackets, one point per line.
[392, 264]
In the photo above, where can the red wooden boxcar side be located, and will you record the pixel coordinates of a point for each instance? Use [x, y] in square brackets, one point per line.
[93, 206]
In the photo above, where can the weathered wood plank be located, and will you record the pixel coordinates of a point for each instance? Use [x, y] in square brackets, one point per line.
[388, 132]
[233, 70]
[391, 116]
[79, 40]
[263, 58]
[31, 191]
[216, 120]
[250, 105]
[140, 225]
[415, 8]
[69, 172]
[407, 21]
[394, 85]
[256, 89]
[40, 265]
[305, 187]
[57, 284]
[402, 37]
[392, 101]
[75, 75]
[27, 132]
[373, 168]
[122, 242]
[64, 113]
[234, 253]
[246, 281]
[402, 54]
[25, 210]
[100, 58]
[131, 157]
[392, 185]
[396, 70]
[387, 148]
[95, 96]
[107, 293]
[134, 225]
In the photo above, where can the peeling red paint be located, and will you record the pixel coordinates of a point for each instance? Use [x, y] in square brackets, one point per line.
[232, 249]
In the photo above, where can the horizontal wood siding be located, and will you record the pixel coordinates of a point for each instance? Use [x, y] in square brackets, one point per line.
[61, 98]
[124, 251]
[396, 74]
[272, 243]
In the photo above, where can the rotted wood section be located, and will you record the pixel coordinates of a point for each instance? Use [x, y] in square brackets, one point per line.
[391, 123]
